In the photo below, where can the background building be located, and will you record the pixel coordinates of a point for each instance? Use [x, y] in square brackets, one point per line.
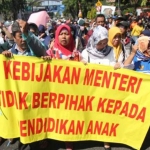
[54, 6]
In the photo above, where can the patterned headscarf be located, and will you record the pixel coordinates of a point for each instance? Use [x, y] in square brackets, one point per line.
[100, 33]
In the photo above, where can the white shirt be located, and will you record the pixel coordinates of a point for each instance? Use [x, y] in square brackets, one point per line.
[107, 60]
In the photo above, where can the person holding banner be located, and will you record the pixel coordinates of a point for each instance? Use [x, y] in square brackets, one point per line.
[139, 59]
[114, 40]
[99, 52]
[63, 47]
[26, 43]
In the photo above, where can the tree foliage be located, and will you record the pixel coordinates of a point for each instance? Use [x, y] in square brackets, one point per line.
[144, 2]
[92, 13]
[34, 2]
[72, 7]
[135, 2]
[10, 8]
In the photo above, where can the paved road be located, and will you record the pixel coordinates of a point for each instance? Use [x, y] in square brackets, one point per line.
[86, 145]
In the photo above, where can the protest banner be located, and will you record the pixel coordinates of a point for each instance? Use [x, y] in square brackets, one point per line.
[70, 101]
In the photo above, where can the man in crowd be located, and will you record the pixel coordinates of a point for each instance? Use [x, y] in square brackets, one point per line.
[26, 43]
[100, 20]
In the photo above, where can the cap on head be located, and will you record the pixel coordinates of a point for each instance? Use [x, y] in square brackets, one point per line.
[81, 22]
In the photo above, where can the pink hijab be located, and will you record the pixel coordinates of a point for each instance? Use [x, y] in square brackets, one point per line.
[65, 50]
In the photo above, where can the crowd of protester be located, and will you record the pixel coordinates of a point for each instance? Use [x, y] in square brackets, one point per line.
[117, 41]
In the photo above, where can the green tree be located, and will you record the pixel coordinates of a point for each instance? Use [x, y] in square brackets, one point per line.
[34, 2]
[72, 7]
[92, 13]
[131, 5]
[135, 2]
[144, 2]
[10, 8]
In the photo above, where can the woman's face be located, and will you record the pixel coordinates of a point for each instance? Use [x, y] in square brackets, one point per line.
[101, 44]
[64, 38]
[116, 40]
[122, 29]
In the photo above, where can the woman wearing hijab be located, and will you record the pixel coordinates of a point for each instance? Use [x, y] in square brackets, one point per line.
[114, 40]
[139, 59]
[63, 45]
[99, 52]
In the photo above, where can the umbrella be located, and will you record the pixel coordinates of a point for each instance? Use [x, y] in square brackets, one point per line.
[38, 18]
